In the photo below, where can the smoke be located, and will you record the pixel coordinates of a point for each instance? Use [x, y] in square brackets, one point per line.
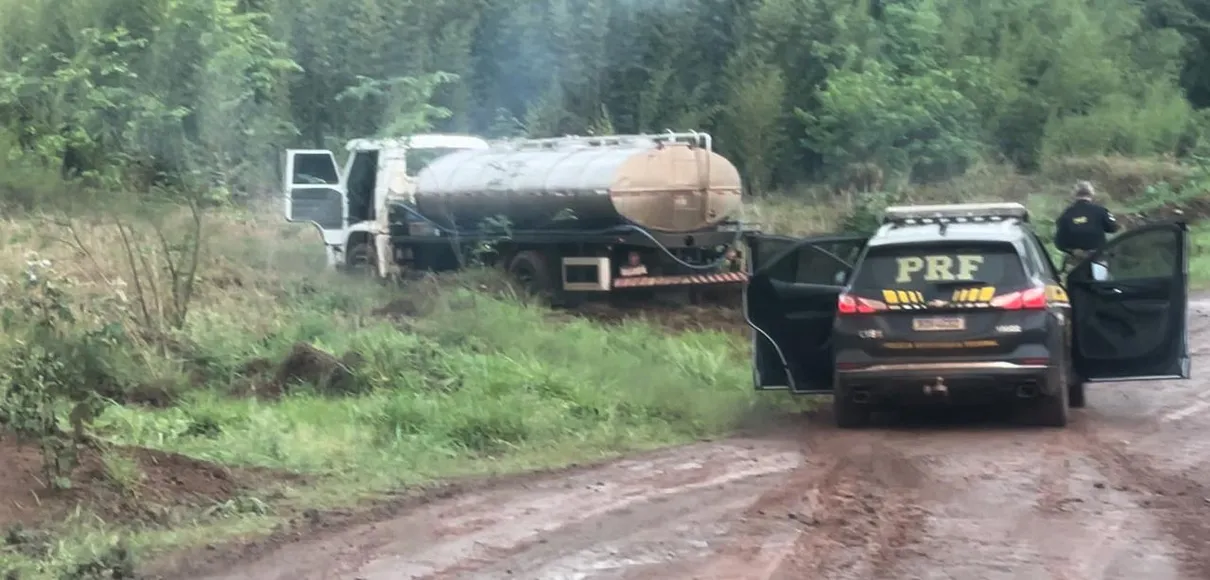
[554, 64]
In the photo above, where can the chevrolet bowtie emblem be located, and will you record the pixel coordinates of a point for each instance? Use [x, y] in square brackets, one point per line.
[936, 303]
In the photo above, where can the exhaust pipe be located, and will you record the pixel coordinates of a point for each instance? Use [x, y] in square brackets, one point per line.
[861, 397]
[1027, 391]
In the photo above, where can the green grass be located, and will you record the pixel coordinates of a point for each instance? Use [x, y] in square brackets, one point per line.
[491, 387]
[477, 384]
[487, 386]
[1199, 259]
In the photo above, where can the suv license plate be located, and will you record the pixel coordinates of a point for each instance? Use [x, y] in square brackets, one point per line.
[939, 323]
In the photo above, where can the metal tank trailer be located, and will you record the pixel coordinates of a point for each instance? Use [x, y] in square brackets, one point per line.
[570, 216]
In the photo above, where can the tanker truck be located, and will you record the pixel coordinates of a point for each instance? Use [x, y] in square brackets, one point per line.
[571, 216]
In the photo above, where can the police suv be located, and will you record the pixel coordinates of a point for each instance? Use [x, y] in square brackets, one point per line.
[963, 304]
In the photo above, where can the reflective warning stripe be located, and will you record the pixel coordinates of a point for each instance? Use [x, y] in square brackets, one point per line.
[647, 281]
[904, 297]
[982, 296]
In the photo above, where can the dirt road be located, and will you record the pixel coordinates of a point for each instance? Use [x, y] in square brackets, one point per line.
[1124, 493]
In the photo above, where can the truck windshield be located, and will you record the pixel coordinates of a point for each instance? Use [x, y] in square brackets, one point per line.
[940, 267]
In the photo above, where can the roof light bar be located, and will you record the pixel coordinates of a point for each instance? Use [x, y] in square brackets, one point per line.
[955, 213]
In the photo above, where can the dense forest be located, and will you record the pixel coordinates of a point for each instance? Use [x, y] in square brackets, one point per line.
[793, 90]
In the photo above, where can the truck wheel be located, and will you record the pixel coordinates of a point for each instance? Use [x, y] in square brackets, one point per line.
[360, 261]
[848, 413]
[529, 268]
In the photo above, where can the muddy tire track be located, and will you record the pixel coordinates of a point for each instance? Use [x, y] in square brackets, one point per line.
[1002, 501]
[628, 514]
[928, 500]
[849, 512]
[1153, 440]
[1122, 494]
[864, 507]
[861, 519]
[1179, 503]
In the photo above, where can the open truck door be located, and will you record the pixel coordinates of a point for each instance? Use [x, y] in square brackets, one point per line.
[315, 192]
[1133, 326]
[790, 303]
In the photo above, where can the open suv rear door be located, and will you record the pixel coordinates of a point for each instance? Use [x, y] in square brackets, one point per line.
[790, 303]
[1133, 326]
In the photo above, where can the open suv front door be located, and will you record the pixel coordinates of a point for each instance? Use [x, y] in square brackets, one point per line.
[1134, 325]
[790, 303]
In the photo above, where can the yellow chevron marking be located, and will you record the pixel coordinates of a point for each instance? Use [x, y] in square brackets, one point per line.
[890, 296]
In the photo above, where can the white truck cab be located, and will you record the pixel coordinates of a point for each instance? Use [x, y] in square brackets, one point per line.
[348, 205]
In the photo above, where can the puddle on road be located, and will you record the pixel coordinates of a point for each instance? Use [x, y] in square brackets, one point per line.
[617, 558]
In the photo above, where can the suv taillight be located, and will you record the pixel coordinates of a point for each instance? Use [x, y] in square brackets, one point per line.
[1029, 299]
[849, 304]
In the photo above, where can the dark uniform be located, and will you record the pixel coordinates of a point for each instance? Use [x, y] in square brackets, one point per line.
[1084, 226]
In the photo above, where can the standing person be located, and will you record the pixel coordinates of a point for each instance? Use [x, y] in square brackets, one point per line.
[1084, 226]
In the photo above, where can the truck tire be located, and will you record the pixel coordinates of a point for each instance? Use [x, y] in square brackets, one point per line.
[848, 413]
[531, 270]
[360, 260]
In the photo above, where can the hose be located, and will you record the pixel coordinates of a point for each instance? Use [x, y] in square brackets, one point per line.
[628, 227]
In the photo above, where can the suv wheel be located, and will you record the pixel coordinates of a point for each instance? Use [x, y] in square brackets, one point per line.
[1076, 394]
[849, 414]
[1052, 407]
[1075, 384]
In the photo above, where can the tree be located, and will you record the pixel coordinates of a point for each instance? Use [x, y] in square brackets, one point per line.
[157, 91]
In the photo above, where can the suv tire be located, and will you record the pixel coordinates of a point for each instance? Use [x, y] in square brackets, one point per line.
[1076, 394]
[1052, 407]
[848, 413]
[1075, 383]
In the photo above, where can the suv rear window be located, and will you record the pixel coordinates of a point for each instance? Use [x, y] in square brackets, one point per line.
[929, 266]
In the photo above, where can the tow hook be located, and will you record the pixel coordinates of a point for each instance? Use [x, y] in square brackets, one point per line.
[937, 388]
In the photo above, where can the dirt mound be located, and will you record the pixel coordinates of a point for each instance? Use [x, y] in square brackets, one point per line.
[399, 308]
[159, 394]
[307, 364]
[304, 364]
[124, 484]
[256, 378]
[1122, 178]
[256, 367]
[1190, 210]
